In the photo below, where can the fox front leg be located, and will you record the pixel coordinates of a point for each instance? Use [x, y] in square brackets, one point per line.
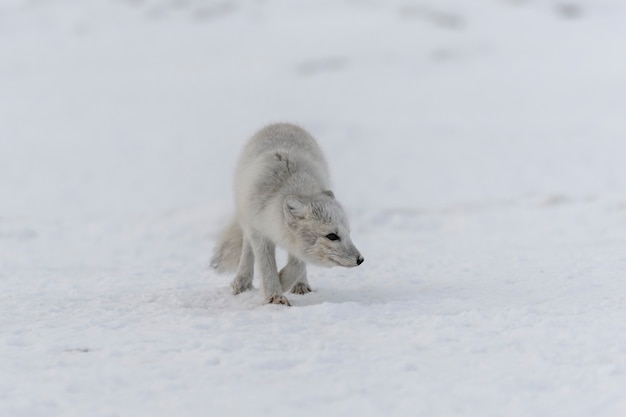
[265, 259]
[293, 276]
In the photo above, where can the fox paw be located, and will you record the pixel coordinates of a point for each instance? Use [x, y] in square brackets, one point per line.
[278, 299]
[239, 287]
[301, 288]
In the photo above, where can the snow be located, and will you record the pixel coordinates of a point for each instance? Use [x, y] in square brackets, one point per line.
[477, 146]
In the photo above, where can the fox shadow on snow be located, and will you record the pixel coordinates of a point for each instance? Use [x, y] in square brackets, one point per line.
[222, 299]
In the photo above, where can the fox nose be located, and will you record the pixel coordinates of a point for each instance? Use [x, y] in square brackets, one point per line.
[359, 260]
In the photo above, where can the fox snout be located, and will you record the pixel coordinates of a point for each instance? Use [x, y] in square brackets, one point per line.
[345, 258]
[353, 256]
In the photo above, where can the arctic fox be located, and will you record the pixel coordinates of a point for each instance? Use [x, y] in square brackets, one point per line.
[283, 197]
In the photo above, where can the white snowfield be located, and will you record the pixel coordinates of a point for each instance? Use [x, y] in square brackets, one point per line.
[479, 148]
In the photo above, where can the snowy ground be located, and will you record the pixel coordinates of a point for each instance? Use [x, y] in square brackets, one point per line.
[477, 146]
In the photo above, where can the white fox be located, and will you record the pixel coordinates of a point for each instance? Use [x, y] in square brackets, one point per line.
[283, 197]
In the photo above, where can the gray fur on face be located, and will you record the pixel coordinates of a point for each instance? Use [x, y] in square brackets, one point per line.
[312, 221]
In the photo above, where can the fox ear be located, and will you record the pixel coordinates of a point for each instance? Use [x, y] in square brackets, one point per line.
[329, 193]
[295, 209]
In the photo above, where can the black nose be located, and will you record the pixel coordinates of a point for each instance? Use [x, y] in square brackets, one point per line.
[359, 260]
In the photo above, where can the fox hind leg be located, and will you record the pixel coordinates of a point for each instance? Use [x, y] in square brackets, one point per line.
[245, 271]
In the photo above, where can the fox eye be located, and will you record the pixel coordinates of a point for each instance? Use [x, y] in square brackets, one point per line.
[332, 236]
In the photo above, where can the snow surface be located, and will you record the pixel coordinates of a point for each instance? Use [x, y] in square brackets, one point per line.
[478, 147]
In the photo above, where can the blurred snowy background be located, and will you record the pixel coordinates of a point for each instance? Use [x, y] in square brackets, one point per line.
[478, 147]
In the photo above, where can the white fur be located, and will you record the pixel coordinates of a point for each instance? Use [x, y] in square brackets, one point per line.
[283, 197]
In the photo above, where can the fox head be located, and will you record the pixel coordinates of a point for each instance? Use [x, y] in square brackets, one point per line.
[319, 228]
